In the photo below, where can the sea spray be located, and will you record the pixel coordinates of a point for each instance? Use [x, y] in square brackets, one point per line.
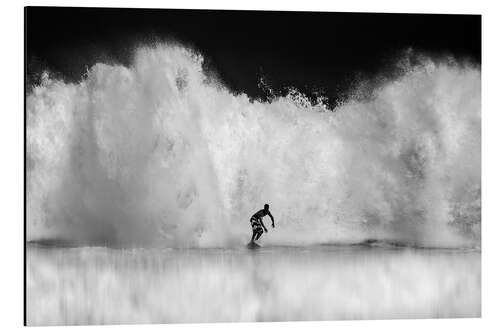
[160, 154]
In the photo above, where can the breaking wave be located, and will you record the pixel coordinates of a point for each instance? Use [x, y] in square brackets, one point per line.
[161, 154]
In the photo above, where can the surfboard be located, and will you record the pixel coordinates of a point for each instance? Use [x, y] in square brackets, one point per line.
[253, 246]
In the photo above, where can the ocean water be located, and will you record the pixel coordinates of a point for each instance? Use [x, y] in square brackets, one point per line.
[99, 285]
[131, 159]
[161, 154]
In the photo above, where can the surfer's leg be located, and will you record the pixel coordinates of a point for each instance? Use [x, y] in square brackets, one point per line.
[256, 229]
[259, 233]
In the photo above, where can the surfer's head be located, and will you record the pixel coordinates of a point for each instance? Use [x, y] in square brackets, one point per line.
[266, 207]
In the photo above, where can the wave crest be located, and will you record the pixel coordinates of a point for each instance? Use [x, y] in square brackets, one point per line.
[159, 153]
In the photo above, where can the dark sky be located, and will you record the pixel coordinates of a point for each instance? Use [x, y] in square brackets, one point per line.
[325, 51]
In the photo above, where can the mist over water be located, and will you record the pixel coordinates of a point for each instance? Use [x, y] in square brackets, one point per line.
[95, 285]
[161, 154]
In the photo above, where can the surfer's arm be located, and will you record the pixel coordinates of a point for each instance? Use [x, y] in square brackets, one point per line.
[272, 219]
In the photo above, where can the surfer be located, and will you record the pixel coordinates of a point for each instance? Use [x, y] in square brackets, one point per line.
[258, 226]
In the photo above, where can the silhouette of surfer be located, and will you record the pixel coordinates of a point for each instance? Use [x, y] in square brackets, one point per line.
[258, 226]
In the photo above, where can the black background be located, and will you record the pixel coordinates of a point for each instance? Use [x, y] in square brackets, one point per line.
[309, 50]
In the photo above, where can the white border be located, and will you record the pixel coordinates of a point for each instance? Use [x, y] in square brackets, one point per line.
[11, 193]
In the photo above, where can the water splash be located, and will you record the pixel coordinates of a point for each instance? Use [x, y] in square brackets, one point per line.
[159, 153]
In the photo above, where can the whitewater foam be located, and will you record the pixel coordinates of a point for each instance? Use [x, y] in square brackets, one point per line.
[159, 153]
